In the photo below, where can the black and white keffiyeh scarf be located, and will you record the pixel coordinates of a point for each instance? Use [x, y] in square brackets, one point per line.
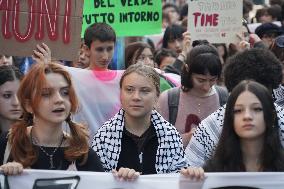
[278, 95]
[170, 156]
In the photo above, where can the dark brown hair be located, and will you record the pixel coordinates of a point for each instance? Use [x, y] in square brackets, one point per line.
[202, 59]
[228, 156]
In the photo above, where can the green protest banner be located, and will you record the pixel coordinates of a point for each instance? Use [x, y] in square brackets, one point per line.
[127, 17]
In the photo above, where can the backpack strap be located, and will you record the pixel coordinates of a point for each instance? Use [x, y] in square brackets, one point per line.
[173, 102]
[222, 94]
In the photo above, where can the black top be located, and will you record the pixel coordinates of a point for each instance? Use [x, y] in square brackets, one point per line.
[139, 153]
[93, 162]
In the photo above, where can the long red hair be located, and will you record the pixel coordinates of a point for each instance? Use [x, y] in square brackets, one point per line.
[29, 91]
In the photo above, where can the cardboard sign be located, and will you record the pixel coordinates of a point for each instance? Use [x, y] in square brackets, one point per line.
[25, 23]
[127, 17]
[218, 21]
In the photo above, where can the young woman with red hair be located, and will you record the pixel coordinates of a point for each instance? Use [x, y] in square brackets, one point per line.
[38, 141]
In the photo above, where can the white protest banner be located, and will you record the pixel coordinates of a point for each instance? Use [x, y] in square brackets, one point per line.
[38, 179]
[255, 180]
[92, 180]
[218, 21]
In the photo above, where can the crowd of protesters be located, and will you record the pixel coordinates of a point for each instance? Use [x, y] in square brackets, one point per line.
[180, 105]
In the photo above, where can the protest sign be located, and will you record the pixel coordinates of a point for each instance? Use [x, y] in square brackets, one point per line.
[25, 23]
[38, 179]
[218, 21]
[127, 17]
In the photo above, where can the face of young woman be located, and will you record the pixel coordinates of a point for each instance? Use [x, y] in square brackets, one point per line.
[175, 45]
[10, 108]
[55, 104]
[202, 84]
[248, 116]
[146, 57]
[6, 60]
[138, 96]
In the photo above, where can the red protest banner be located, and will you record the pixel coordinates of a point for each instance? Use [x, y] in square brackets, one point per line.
[25, 23]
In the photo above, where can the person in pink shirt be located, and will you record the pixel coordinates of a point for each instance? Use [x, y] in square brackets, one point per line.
[198, 96]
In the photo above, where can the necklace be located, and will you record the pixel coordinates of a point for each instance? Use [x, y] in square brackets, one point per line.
[35, 141]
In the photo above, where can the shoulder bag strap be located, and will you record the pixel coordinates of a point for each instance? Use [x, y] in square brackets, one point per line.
[173, 102]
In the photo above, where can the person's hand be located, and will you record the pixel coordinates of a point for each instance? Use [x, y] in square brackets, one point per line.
[194, 173]
[243, 44]
[12, 168]
[254, 37]
[126, 174]
[186, 43]
[185, 46]
[42, 53]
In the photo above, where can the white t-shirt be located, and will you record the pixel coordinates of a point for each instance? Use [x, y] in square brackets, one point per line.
[98, 94]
